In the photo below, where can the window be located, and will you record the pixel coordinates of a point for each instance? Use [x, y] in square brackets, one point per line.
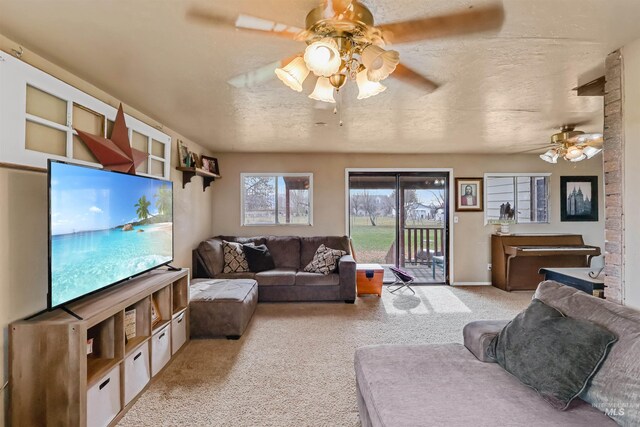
[277, 198]
[527, 195]
[38, 115]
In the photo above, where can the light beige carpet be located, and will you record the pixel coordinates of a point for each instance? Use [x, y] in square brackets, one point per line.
[294, 364]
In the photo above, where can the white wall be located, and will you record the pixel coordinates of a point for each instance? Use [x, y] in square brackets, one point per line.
[631, 195]
[23, 222]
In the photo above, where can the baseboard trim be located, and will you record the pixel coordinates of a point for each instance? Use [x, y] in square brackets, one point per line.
[472, 284]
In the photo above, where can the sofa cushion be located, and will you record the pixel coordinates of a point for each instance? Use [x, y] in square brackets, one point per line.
[325, 260]
[211, 253]
[220, 290]
[309, 246]
[285, 251]
[277, 277]
[258, 257]
[615, 387]
[445, 385]
[234, 259]
[304, 278]
[553, 354]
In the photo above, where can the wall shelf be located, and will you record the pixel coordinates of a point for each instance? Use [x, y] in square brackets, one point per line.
[188, 173]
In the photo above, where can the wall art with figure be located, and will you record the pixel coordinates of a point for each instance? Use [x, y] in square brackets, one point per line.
[469, 194]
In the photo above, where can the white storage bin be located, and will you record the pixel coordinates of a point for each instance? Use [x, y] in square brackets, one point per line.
[160, 349]
[178, 331]
[137, 372]
[103, 399]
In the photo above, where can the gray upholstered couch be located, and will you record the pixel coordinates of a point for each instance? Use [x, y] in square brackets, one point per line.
[287, 282]
[458, 385]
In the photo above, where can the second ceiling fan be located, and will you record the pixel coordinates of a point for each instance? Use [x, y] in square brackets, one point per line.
[572, 145]
[344, 44]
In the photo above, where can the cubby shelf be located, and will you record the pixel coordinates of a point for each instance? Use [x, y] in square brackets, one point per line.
[188, 173]
[97, 367]
[96, 388]
[161, 324]
[180, 296]
[133, 344]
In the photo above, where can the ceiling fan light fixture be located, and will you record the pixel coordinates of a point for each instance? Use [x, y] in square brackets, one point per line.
[551, 156]
[367, 88]
[323, 57]
[338, 80]
[323, 91]
[293, 74]
[379, 62]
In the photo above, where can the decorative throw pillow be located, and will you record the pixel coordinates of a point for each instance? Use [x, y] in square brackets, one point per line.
[258, 257]
[325, 260]
[553, 354]
[234, 259]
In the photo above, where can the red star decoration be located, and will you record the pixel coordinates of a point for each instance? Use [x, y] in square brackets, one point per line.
[115, 153]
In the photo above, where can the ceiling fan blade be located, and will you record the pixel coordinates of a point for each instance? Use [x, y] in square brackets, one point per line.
[406, 74]
[259, 75]
[474, 20]
[245, 23]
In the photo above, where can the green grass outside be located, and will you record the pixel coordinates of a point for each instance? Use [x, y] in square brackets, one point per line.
[371, 243]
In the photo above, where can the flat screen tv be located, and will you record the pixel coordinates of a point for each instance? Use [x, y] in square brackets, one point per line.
[104, 227]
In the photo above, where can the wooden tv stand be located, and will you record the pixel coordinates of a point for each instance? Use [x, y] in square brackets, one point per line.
[54, 382]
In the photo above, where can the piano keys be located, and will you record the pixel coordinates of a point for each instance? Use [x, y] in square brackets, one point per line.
[517, 258]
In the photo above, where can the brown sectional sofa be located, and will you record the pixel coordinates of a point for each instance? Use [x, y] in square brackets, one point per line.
[288, 281]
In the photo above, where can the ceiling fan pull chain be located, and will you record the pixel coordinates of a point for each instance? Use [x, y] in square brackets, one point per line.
[338, 108]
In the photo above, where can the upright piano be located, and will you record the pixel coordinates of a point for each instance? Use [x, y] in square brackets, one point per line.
[517, 258]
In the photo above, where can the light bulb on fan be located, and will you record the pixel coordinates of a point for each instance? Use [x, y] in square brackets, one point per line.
[574, 154]
[322, 57]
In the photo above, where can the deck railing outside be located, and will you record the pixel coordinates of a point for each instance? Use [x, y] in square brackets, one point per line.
[421, 244]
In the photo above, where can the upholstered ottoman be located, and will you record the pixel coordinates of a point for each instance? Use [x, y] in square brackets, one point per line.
[221, 307]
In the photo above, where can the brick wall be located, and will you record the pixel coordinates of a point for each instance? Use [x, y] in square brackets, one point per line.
[613, 155]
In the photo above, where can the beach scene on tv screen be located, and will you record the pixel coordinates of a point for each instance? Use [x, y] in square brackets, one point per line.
[105, 227]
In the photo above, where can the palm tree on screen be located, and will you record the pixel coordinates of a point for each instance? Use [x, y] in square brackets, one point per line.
[163, 199]
[142, 207]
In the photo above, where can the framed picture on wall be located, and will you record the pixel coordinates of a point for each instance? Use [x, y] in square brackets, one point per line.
[469, 195]
[578, 198]
[210, 164]
[184, 156]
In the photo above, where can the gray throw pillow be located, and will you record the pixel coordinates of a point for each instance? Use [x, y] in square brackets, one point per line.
[325, 260]
[553, 354]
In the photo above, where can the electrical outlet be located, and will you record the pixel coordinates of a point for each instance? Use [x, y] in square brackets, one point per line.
[488, 267]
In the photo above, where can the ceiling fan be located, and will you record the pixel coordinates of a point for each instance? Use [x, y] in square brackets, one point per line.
[344, 44]
[573, 145]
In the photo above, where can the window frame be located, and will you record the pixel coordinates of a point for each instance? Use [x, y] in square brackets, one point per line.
[488, 175]
[16, 76]
[243, 175]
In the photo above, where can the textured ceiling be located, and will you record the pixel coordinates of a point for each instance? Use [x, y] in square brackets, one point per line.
[506, 91]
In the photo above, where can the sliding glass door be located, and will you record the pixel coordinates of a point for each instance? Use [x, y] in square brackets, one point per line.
[373, 221]
[401, 219]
